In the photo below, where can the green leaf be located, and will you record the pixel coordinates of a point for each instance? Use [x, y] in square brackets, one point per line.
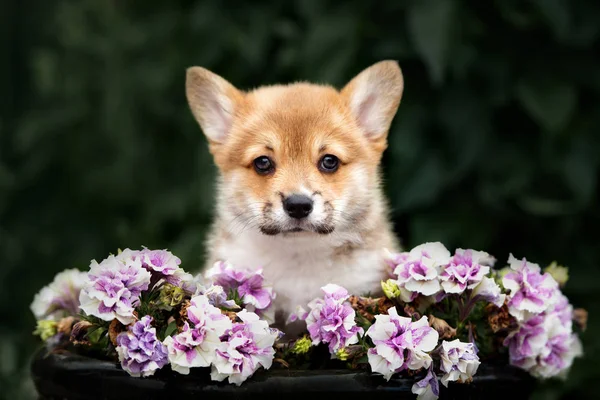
[549, 103]
[430, 24]
[171, 328]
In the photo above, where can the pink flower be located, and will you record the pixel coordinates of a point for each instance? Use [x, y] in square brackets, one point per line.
[530, 292]
[332, 320]
[465, 270]
[400, 343]
[418, 273]
[243, 349]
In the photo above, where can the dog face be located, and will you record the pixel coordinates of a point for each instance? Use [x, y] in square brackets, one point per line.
[299, 159]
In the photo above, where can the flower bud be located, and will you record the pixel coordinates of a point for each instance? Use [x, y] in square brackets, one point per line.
[45, 329]
[302, 345]
[390, 289]
[558, 272]
[442, 327]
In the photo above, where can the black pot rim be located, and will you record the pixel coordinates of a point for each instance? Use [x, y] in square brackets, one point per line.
[67, 375]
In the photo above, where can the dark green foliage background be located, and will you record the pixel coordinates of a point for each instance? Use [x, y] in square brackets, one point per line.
[495, 145]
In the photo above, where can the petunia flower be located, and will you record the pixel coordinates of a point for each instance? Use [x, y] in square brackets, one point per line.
[465, 270]
[250, 285]
[459, 361]
[427, 388]
[113, 288]
[140, 352]
[531, 292]
[400, 343]
[545, 344]
[488, 290]
[331, 319]
[196, 344]
[419, 272]
[243, 349]
[61, 297]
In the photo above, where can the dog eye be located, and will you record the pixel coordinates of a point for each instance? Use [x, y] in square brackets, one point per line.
[263, 165]
[329, 163]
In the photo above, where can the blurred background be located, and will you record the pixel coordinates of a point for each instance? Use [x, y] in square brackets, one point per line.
[495, 145]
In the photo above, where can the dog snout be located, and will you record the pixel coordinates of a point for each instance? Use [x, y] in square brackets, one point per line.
[298, 206]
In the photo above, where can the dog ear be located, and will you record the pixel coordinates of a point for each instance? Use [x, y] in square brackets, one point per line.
[374, 96]
[213, 102]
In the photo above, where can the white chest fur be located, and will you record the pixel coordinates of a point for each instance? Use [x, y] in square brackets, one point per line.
[298, 265]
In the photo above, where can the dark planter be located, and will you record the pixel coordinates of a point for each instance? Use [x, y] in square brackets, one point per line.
[65, 375]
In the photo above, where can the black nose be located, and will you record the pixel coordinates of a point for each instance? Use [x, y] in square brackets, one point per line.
[298, 206]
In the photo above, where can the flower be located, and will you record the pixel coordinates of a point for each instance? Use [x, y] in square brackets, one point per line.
[558, 272]
[61, 297]
[243, 349]
[545, 344]
[419, 272]
[299, 314]
[302, 345]
[218, 298]
[161, 261]
[46, 328]
[113, 288]
[140, 352]
[390, 289]
[249, 284]
[427, 388]
[459, 361]
[400, 344]
[393, 260]
[466, 269]
[530, 292]
[488, 290]
[331, 319]
[196, 344]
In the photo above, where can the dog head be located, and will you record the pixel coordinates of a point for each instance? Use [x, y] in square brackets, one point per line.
[301, 158]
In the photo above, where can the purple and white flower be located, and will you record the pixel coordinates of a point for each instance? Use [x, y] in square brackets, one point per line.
[140, 352]
[250, 285]
[531, 292]
[393, 260]
[427, 388]
[465, 270]
[459, 361]
[400, 343]
[419, 272]
[196, 344]
[331, 319]
[161, 261]
[243, 349]
[545, 344]
[217, 297]
[61, 297]
[488, 290]
[113, 288]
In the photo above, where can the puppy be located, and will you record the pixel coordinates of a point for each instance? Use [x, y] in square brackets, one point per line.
[299, 191]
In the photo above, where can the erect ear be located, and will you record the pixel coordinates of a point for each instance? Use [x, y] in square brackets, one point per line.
[373, 97]
[213, 101]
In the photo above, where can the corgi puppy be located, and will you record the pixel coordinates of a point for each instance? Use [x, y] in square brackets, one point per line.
[299, 190]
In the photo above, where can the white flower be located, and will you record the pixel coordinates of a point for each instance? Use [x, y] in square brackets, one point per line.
[427, 388]
[196, 345]
[61, 297]
[459, 361]
[419, 271]
[246, 347]
[113, 288]
[489, 290]
[400, 343]
[531, 293]
[465, 270]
